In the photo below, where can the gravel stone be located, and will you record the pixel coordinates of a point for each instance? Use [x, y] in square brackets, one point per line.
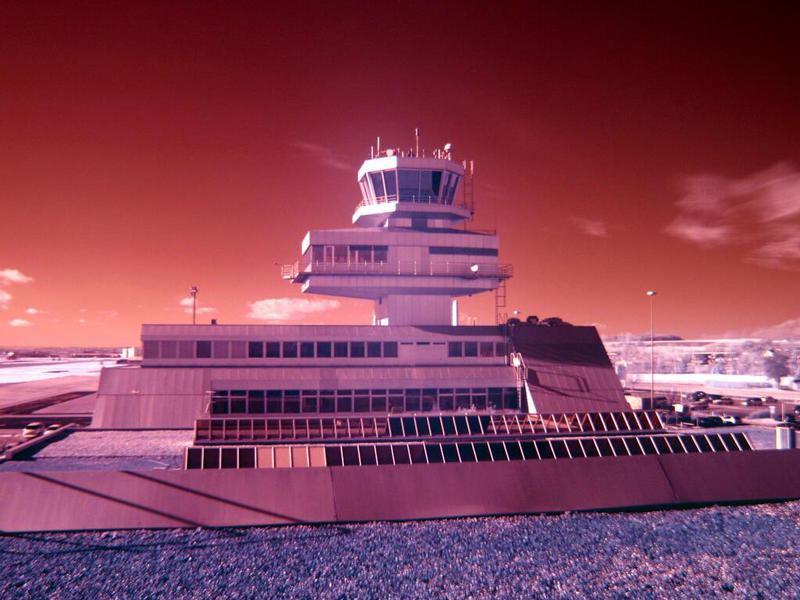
[718, 552]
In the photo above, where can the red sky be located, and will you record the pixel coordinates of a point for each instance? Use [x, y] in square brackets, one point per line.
[147, 147]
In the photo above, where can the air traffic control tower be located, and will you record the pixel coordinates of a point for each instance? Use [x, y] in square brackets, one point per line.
[406, 251]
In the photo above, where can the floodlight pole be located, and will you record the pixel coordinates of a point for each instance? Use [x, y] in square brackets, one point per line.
[652, 293]
[194, 291]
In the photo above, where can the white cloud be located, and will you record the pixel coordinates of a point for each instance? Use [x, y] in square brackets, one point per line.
[591, 226]
[20, 323]
[694, 230]
[289, 309]
[13, 276]
[34, 311]
[186, 303]
[5, 298]
[324, 156]
[761, 210]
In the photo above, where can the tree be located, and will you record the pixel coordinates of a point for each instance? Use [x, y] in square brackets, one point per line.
[775, 365]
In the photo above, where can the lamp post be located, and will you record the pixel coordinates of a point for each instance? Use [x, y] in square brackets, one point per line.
[652, 293]
[194, 291]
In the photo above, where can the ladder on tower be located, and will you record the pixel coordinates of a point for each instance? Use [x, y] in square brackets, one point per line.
[468, 186]
[500, 302]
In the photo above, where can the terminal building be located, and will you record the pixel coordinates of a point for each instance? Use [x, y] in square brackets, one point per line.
[409, 252]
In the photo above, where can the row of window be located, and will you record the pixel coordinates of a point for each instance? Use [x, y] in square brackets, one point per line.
[475, 349]
[410, 185]
[258, 402]
[257, 349]
[428, 453]
[239, 429]
[364, 254]
[344, 254]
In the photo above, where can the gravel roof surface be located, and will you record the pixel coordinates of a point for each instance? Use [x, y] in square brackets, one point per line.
[719, 552]
[119, 443]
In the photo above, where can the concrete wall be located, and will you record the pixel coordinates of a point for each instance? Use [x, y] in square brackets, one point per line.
[51, 501]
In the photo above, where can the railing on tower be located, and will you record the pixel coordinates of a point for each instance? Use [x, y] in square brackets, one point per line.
[468, 270]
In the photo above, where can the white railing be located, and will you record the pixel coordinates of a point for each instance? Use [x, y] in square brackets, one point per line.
[469, 270]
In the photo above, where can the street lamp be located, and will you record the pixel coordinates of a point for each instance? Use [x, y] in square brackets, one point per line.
[194, 291]
[652, 293]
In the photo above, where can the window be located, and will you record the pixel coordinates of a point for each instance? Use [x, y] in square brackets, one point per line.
[221, 349]
[238, 349]
[374, 349]
[486, 349]
[390, 349]
[273, 349]
[306, 349]
[203, 349]
[340, 349]
[500, 349]
[377, 184]
[255, 349]
[389, 179]
[255, 402]
[323, 349]
[455, 349]
[150, 349]
[380, 254]
[185, 349]
[459, 250]
[169, 349]
[470, 348]
[357, 349]
[238, 401]
[408, 184]
[290, 349]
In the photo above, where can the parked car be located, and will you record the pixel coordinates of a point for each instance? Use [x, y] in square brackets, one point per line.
[753, 402]
[52, 428]
[32, 430]
[710, 421]
[722, 401]
[732, 420]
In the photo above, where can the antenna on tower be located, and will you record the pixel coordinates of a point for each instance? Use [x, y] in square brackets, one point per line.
[416, 135]
[379, 145]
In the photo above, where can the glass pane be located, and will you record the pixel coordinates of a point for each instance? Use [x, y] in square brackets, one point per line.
[470, 348]
[340, 349]
[374, 349]
[357, 349]
[390, 349]
[273, 349]
[307, 349]
[377, 184]
[454, 349]
[290, 349]
[323, 349]
[255, 349]
[150, 349]
[408, 184]
[389, 177]
[238, 349]
[203, 349]
[169, 349]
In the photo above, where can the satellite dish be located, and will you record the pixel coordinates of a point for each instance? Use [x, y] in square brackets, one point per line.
[448, 147]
